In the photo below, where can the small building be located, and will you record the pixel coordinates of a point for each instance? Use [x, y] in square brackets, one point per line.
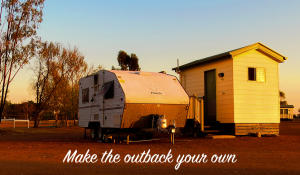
[240, 88]
[286, 112]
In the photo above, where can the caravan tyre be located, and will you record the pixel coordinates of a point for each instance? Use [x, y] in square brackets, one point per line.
[100, 134]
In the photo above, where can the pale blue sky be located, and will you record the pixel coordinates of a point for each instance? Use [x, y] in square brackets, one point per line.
[159, 32]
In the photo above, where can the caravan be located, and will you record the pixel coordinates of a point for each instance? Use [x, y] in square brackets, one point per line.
[110, 100]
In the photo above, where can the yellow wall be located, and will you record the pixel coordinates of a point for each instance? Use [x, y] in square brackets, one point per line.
[255, 102]
[193, 82]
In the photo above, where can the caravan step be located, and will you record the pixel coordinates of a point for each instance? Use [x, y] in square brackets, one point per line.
[211, 131]
[207, 127]
[211, 136]
[210, 127]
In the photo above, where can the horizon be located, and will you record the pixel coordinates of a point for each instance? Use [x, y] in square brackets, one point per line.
[159, 33]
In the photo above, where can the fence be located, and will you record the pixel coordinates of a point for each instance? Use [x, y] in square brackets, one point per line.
[8, 123]
[14, 121]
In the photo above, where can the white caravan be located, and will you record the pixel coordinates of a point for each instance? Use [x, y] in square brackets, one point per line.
[130, 99]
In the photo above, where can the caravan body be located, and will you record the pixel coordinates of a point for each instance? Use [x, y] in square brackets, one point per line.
[126, 99]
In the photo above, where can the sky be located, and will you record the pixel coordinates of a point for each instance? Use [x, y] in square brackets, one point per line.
[160, 32]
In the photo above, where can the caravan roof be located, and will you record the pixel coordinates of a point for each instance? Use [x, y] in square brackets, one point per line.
[151, 87]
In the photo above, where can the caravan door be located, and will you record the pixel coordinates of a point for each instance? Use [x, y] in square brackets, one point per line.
[96, 99]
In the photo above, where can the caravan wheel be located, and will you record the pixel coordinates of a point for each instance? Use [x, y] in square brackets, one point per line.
[93, 134]
[100, 134]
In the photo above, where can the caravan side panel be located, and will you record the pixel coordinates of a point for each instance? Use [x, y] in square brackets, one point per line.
[136, 115]
[113, 107]
[84, 111]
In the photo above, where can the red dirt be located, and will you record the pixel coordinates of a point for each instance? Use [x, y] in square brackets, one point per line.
[41, 151]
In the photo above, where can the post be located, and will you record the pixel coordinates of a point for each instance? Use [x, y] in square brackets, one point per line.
[28, 123]
[14, 122]
[172, 135]
[194, 106]
[55, 113]
[202, 115]
[127, 141]
[172, 138]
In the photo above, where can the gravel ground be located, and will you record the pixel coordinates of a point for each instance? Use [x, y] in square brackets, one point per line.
[42, 150]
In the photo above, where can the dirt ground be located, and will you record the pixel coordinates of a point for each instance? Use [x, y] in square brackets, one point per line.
[41, 151]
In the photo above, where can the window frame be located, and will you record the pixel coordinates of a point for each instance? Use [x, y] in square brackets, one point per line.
[111, 85]
[256, 80]
[85, 95]
[96, 79]
[254, 68]
[264, 71]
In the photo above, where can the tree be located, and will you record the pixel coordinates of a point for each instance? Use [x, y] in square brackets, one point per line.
[134, 63]
[18, 111]
[92, 69]
[78, 67]
[282, 95]
[282, 98]
[45, 65]
[127, 62]
[123, 59]
[55, 77]
[19, 21]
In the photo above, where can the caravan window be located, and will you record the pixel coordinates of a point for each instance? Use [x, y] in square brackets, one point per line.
[108, 90]
[95, 79]
[85, 95]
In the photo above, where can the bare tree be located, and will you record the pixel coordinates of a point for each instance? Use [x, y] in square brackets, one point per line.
[57, 74]
[19, 21]
[47, 55]
[77, 67]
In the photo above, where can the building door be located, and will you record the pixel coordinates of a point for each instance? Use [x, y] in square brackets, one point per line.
[210, 97]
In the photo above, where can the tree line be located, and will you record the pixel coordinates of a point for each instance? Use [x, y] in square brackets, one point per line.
[57, 69]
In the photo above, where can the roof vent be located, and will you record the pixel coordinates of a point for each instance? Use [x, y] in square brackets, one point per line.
[138, 73]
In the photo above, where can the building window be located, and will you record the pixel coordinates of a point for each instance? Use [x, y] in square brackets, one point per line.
[281, 111]
[108, 90]
[85, 95]
[260, 74]
[256, 74]
[252, 74]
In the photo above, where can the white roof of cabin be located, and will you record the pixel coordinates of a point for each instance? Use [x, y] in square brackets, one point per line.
[151, 87]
